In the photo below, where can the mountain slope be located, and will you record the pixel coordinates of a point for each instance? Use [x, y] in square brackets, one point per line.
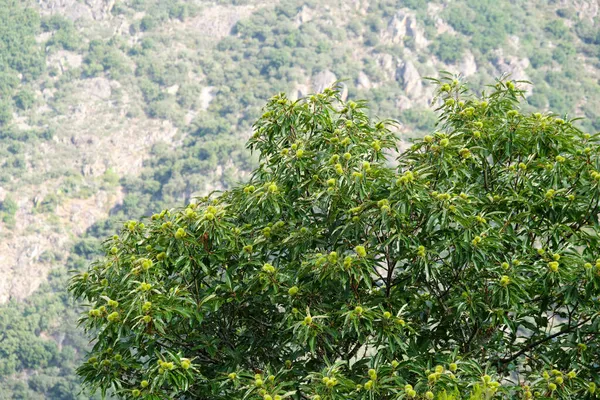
[111, 110]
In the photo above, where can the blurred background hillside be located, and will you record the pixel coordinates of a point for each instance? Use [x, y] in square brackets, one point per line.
[111, 110]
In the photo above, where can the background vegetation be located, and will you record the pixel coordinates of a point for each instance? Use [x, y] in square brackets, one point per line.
[160, 62]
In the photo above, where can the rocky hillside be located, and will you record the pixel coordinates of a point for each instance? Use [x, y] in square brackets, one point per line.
[110, 110]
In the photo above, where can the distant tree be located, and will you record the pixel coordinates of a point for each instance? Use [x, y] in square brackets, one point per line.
[9, 209]
[64, 32]
[8, 82]
[24, 99]
[5, 113]
[557, 28]
[448, 48]
[148, 23]
[19, 51]
[469, 269]
[104, 57]
[9, 206]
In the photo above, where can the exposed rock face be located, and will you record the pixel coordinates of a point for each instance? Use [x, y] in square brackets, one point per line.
[322, 80]
[404, 24]
[82, 213]
[216, 21]
[100, 87]
[304, 15]
[514, 66]
[64, 60]
[27, 251]
[467, 66]
[416, 32]
[172, 89]
[89, 9]
[586, 9]
[397, 28]
[325, 79]
[206, 97]
[434, 11]
[317, 84]
[388, 64]
[411, 80]
[363, 81]
[21, 281]
[511, 65]
[403, 103]
[361, 6]
[94, 135]
[299, 90]
[93, 168]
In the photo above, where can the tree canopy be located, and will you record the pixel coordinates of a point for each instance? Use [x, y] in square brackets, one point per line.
[468, 268]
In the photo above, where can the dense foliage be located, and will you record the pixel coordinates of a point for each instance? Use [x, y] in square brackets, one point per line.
[469, 269]
[19, 53]
[31, 340]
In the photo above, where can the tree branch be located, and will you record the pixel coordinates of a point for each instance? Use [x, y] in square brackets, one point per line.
[541, 341]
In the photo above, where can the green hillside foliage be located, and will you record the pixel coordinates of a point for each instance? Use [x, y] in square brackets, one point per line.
[19, 52]
[39, 338]
[167, 66]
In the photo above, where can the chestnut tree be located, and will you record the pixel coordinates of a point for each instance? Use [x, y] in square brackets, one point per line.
[466, 268]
